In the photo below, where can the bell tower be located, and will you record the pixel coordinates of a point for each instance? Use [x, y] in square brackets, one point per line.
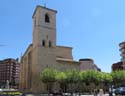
[44, 27]
[44, 44]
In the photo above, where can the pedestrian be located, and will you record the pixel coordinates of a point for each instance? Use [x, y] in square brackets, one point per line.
[101, 93]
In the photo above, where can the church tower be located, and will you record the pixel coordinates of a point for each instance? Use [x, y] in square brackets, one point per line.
[44, 32]
[44, 43]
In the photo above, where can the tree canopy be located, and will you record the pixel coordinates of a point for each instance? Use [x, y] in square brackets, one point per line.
[71, 77]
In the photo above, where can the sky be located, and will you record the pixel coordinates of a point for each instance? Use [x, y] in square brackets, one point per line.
[94, 28]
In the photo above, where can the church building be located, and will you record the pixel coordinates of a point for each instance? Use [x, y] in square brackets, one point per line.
[43, 52]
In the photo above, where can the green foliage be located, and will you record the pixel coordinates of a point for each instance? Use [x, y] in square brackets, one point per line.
[61, 77]
[72, 76]
[48, 75]
[106, 77]
[118, 77]
[90, 76]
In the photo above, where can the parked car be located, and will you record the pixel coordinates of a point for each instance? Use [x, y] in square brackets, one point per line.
[120, 91]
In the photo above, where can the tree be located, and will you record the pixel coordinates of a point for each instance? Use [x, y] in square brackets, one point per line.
[72, 79]
[105, 80]
[48, 76]
[62, 80]
[118, 78]
[91, 78]
[83, 81]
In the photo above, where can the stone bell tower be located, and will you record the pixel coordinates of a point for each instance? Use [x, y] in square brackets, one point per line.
[44, 44]
[44, 32]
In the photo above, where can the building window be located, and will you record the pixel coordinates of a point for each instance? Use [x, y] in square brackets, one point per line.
[47, 20]
[43, 43]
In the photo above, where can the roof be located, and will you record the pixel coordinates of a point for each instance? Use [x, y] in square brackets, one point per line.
[66, 60]
[27, 49]
[39, 6]
[86, 59]
[64, 47]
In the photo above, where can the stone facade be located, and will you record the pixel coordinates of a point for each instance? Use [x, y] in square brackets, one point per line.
[43, 52]
[117, 66]
[88, 64]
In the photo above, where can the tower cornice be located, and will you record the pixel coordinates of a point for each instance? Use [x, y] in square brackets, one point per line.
[39, 6]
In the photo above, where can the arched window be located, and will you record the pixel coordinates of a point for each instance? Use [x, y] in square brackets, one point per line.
[50, 43]
[47, 20]
[43, 43]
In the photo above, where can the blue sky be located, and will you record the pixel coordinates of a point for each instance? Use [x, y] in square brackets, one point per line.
[94, 28]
